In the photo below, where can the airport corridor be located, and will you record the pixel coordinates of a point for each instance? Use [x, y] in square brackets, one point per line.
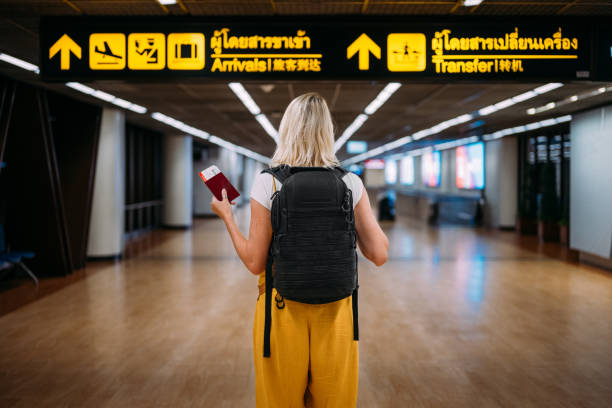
[457, 317]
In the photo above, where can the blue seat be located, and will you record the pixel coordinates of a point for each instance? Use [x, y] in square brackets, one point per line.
[8, 258]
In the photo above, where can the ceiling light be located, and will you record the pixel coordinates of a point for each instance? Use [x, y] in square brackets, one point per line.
[571, 99]
[505, 103]
[245, 97]
[250, 104]
[524, 96]
[140, 109]
[122, 103]
[267, 88]
[268, 127]
[548, 122]
[421, 134]
[457, 120]
[471, 3]
[382, 97]
[352, 128]
[220, 142]
[80, 87]
[442, 126]
[519, 98]
[180, 125]
[167, 2]
[177, 124]
[464, 118]
[19, 63]
[487, 110]
[524, 128]
[106, 97]
[238, 149]
[399, 142]
[103, 95]
[455, 143]
[547, 88]
[372, 107]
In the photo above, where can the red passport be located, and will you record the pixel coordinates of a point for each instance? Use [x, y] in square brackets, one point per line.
[216, 181]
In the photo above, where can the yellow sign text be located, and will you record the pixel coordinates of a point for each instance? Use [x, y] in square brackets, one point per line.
[257, 58]
[473, 62]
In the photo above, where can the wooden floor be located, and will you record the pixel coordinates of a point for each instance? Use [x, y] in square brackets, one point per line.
[456, 318]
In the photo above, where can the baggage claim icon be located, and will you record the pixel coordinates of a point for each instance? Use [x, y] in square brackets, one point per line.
[186, 51]
[146, 51]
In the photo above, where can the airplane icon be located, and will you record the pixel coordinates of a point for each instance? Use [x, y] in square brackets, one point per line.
[407, 54]
[107, 52]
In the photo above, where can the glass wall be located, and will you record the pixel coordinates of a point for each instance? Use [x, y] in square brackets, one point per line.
[544, 162]
[143, 182]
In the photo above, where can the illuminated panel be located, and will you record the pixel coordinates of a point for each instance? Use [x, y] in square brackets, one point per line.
[302, 49]
[407, 170]
[354, 146]
[391, 172]
[375, 164]
[354, 168]
[469, 160]
[430, 168]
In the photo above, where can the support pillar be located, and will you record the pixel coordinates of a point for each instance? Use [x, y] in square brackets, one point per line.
[106, 231]
[178, 181]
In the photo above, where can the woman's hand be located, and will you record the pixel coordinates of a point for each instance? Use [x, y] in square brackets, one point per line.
[222, 208]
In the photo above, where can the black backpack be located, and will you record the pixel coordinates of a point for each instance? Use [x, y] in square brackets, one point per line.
[313, 249]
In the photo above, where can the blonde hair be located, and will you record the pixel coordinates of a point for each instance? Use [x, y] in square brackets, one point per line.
[306, 134]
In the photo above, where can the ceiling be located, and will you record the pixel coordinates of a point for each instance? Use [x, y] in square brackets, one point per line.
[212, 106]
[270, 7]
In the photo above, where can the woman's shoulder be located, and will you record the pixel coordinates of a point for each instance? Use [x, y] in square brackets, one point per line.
[354, 183]
[260, 189]
[260, 177]
[353, 179]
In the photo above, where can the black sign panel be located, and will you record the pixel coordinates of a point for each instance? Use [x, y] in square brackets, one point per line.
[104, 48]
[604, 55]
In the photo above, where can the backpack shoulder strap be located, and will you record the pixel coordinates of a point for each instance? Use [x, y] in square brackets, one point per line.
[339, 171]
[280, 172]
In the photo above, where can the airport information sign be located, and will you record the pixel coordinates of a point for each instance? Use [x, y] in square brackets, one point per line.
[105, 48]
[604, 54]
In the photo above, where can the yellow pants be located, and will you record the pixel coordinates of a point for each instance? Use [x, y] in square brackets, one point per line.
[314, 361]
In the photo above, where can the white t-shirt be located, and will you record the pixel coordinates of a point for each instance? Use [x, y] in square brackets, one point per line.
[262, 188]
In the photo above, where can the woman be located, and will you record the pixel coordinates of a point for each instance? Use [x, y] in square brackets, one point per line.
[315, 362]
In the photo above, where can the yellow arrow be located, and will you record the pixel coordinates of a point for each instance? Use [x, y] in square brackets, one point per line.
[64, 46]
[365, 46]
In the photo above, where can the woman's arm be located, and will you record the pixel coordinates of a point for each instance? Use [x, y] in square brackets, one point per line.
[253, 251]
[371, 239]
